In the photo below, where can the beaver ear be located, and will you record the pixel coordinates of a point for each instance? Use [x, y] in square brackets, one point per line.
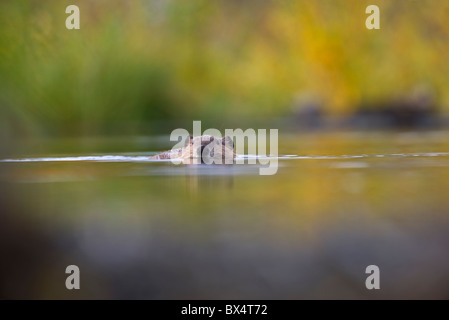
[189, 140]
[227, 141]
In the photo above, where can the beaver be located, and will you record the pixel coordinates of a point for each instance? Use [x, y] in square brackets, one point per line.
[208, 148]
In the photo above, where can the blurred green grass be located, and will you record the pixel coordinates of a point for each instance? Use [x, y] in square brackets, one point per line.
[134, 63]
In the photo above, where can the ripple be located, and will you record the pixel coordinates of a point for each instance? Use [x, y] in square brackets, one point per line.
[105, 158]
[146, 158]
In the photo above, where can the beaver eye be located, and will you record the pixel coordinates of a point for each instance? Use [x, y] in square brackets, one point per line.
[227, 141]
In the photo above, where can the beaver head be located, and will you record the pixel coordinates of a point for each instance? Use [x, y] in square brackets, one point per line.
[209, 149]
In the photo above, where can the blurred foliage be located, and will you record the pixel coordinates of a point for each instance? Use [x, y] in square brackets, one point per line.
[139, 62]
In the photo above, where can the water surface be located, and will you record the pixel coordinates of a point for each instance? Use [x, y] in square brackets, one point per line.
[140, 228]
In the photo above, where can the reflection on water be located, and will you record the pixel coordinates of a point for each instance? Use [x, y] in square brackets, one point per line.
[140, 228]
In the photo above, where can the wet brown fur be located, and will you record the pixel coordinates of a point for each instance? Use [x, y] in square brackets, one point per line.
[194, 146]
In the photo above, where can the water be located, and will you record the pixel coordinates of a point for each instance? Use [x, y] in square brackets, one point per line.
[140, 228]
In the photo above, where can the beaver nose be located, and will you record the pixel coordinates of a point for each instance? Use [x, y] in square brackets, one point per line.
[201, 153]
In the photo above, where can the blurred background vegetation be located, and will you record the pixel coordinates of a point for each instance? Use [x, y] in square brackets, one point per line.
[137, 69]
[134, 65]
